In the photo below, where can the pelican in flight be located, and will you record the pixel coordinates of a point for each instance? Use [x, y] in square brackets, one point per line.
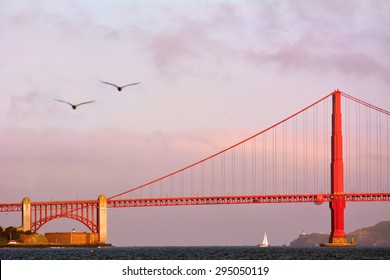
[119, 88]
[74, 106]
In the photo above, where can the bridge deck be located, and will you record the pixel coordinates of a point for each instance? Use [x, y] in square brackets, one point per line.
[216, 200]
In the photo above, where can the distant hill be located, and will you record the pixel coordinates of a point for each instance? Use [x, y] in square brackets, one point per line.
[377, 235]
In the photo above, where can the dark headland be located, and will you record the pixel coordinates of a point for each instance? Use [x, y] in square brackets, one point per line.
[377, 235]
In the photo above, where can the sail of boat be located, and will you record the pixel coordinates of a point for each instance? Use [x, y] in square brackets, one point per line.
[265, 241]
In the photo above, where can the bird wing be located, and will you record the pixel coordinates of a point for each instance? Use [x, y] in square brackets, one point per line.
[133, 84]
[108, 83]
[85, 102]
[64, 102]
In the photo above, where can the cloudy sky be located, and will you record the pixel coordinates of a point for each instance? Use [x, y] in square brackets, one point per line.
[211, 73]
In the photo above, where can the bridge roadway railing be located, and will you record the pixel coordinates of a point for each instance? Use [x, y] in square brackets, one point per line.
[11, 207]
[187, 201]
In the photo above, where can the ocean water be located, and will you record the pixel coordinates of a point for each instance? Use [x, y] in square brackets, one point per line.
[195, 253]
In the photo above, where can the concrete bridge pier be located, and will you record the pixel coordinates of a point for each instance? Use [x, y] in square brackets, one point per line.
[26, 214]
[102, 218]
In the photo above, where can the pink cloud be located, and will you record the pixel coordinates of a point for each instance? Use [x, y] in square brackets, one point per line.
[346, 37]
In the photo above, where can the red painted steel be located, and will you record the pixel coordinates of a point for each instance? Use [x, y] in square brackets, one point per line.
[44, 212]
[366, 104]
[11, 207]
[337, 206]
[261, 199]
[183, 201]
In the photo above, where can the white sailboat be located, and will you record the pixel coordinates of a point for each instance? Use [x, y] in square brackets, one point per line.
[265, 241]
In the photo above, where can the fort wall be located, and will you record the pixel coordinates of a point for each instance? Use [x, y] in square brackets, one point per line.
[72, 238]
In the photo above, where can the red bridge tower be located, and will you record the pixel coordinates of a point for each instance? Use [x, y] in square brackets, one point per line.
[337, 205]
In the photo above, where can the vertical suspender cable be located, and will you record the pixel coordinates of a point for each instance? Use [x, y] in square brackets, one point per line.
[284, 158]
[274, 161]
[377, 152]
[243, 168]
[315, 148]
[305, 152]
[294, 157]
[223, 174]
[254, 154]
[359, 171]
[347, 150]
[265, 165]
[388, 154]
[212, 177]
[324, 155]
[233, 170]
[370, 151]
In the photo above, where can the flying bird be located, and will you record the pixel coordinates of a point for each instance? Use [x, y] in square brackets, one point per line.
[74, 106]
[119, 88]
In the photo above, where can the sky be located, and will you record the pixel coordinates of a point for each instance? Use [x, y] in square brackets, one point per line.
[211, 73]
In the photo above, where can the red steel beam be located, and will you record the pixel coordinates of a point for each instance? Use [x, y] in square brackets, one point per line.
[312, 198]
[11, 207]
[188, 201]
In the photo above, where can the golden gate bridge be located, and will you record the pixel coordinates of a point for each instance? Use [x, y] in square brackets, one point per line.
[334, 151]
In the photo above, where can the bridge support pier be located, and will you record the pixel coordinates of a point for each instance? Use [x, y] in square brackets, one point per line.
[26, 214]
[337, 235]
[337, 206]
[102, 219]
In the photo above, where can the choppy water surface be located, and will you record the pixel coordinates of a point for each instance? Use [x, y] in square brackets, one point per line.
[187, 253]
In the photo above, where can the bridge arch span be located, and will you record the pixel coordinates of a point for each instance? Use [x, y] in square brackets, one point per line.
[91, 213]
[89, 224]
